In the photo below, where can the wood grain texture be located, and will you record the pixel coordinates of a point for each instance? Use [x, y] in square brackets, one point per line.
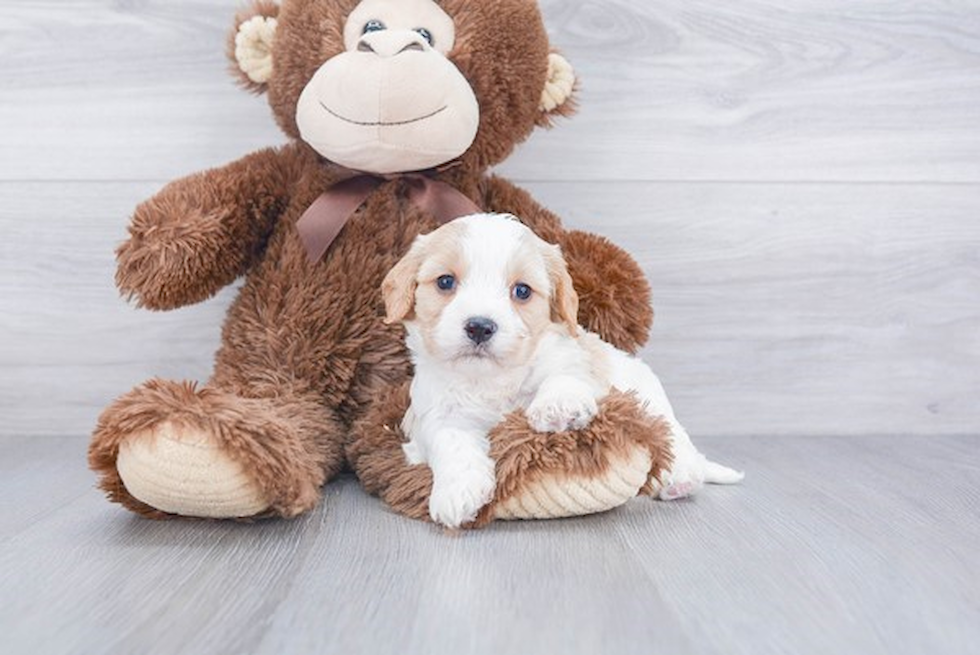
[782, 309]
[832, 545]
[800, 182]
[672, 90]
[841, 308]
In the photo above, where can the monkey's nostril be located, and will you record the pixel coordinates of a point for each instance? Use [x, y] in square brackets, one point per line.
[480, 330]
[391, 43]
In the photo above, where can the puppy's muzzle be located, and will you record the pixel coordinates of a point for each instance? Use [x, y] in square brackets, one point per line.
[479, 330]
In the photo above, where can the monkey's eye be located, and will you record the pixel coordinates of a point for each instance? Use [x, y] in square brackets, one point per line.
[522, 292]
[426, 34]
[374, 25]
[446, 283]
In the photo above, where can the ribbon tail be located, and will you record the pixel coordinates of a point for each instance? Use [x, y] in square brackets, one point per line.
[320, 224]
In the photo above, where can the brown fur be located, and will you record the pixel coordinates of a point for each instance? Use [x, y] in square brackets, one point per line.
[291, 473]
[522, 455]
[305, 352]
[613, 293]
[620, 425]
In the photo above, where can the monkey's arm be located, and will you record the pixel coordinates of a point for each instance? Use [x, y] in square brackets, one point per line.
[199, 233]
[614, 295]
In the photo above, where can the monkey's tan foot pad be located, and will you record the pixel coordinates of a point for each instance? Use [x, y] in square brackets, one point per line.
[182, 470]
[560, 495]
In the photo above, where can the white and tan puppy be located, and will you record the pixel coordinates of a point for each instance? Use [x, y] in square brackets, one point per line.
[491, 318]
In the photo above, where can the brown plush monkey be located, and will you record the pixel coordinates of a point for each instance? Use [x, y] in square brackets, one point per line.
[308, 379]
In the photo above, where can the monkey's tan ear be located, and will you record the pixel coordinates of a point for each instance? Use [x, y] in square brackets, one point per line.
[250, 45]
[560, 87]
[398, 288]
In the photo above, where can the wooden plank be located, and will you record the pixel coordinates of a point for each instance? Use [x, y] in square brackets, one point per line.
[797, 309]
[675, 90]
[826, 549]
[831, 545]
[782, 309]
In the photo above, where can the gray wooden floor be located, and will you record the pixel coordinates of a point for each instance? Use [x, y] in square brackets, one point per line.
[833, 545]
[801, 183]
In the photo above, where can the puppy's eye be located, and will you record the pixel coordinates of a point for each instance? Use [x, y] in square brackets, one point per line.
[446, 283]
[374, 25]
[522, 292]
[426, 34]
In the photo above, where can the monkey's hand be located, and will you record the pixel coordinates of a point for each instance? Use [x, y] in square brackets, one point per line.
[201, 232]
[614, 295]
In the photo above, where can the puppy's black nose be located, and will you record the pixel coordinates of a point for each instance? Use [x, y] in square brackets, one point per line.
[480, 330]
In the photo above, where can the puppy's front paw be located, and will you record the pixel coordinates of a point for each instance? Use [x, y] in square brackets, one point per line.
[686, 476]
[457, 498]
[557, 412]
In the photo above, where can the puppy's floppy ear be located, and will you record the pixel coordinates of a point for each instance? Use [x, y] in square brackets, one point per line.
[398, 288]
[564, 300]
[250, 45]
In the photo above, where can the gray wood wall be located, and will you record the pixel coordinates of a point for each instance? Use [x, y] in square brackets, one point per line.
[801, 182]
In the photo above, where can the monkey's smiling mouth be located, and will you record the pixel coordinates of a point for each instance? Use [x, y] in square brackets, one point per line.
[382, 123]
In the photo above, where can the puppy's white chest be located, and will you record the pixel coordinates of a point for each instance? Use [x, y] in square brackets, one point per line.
[477, 403]
[487, 400]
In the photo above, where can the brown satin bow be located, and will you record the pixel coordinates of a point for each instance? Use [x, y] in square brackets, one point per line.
[320, 224]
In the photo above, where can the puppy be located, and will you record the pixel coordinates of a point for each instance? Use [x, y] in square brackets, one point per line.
[490, 313]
